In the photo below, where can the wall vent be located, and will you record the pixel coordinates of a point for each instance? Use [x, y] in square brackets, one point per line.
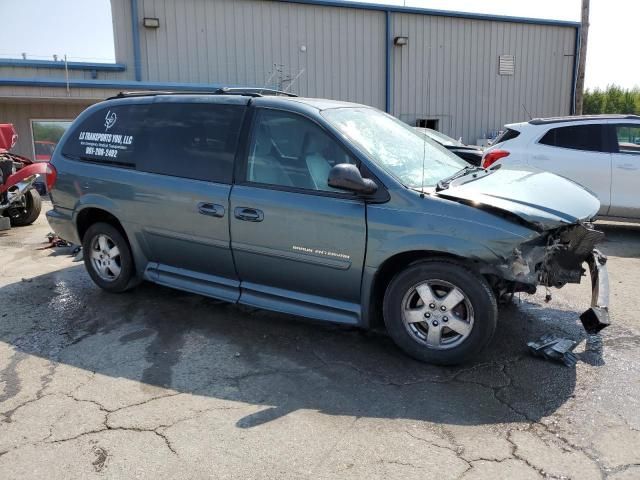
[506, 64]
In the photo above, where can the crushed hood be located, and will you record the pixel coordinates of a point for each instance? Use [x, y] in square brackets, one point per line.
[541, 198]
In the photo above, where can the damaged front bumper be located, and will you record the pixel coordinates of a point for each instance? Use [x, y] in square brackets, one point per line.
[557, 258]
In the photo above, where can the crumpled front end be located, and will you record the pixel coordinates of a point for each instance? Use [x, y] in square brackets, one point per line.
[556, 258]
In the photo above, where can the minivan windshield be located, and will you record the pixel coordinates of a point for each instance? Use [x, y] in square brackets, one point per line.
[395, 146]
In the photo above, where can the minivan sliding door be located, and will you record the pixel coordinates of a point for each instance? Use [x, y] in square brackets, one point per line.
[183, 193]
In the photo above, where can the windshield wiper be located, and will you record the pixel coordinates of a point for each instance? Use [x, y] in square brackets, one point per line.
[444, 183]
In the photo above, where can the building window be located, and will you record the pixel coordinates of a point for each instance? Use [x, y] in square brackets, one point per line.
[46, 134]
[432, 123]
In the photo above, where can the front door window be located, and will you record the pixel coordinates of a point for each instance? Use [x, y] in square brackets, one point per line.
[288, 150]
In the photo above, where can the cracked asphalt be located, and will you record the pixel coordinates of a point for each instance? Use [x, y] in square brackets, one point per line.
[158, 383]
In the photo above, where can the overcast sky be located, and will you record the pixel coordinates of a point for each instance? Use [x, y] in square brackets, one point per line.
[82, 29]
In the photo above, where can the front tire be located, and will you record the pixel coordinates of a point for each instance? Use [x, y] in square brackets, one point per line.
[107, 258]
[29, 213]
[440, 312]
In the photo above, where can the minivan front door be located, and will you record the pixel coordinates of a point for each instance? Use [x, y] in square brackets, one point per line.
[182, 197]
[298, 244]
[625, 179]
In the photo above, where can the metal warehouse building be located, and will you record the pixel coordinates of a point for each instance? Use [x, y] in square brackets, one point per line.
[464, 74]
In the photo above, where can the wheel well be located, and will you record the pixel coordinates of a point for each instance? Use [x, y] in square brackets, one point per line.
[89, 216]
[390, 268]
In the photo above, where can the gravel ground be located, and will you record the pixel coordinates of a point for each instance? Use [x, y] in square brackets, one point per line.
[158, 383]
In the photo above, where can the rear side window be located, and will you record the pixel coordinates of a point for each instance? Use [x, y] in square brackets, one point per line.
[192, 140]
[508, 134]
[628, 137]
[576, 137]
[110, 135]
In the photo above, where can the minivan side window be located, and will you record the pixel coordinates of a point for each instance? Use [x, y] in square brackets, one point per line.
[576, 137]
[289, 150]
[628, 137]
[111, 135]
[192, 140]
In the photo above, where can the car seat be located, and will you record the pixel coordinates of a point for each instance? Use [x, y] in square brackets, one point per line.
[319, 167]
[264, 167]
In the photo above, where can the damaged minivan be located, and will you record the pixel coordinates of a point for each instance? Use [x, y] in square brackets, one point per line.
[323, 209]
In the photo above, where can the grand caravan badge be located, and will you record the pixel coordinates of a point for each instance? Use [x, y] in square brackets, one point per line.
[110, 119]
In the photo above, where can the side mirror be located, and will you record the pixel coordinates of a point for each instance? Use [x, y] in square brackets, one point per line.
[346, 176]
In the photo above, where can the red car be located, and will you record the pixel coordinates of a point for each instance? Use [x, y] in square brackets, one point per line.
[18, 198]
[44, 149]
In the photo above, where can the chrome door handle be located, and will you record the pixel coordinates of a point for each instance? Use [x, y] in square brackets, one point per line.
[211, 209]
[248, 214]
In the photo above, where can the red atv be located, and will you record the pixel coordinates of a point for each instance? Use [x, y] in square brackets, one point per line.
[19, 200]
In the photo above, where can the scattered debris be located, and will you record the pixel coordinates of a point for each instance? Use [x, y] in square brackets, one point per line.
[554, 348]
[56, 241]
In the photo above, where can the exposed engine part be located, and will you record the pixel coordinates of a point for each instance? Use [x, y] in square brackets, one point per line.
[567, 249]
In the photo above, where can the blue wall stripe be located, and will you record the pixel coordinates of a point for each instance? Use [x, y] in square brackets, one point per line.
[387, 72]
[124, 84]
[60, 65]
[136, 40]
[574, 83]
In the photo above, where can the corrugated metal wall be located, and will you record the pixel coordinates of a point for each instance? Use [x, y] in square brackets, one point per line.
[123, 36]
[21, 114]
[246, 42]
[449, 71]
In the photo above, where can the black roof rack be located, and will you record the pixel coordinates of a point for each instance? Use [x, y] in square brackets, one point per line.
[250, 92]
[577, 118]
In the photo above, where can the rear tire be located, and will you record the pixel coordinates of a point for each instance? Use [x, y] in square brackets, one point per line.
[107, 258]
[440, 312]
[21, 217]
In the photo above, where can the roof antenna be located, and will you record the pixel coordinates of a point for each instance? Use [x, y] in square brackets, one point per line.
[294, 80]
[268, 79]
[527, 112]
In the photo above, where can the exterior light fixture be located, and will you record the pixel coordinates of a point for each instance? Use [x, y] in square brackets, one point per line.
[400, 41]
[151, 22]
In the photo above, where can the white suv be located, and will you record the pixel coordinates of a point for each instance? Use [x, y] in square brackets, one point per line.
[600, 152]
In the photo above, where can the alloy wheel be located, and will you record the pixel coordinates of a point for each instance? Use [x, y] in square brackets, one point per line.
[105, 257]
[437, 314]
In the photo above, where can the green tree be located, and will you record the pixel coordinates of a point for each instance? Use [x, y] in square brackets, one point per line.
[628, 103]
[47, 131]
[593, 102]
[613, 99]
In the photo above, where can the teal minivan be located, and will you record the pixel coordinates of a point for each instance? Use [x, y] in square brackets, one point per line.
[328, 210]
